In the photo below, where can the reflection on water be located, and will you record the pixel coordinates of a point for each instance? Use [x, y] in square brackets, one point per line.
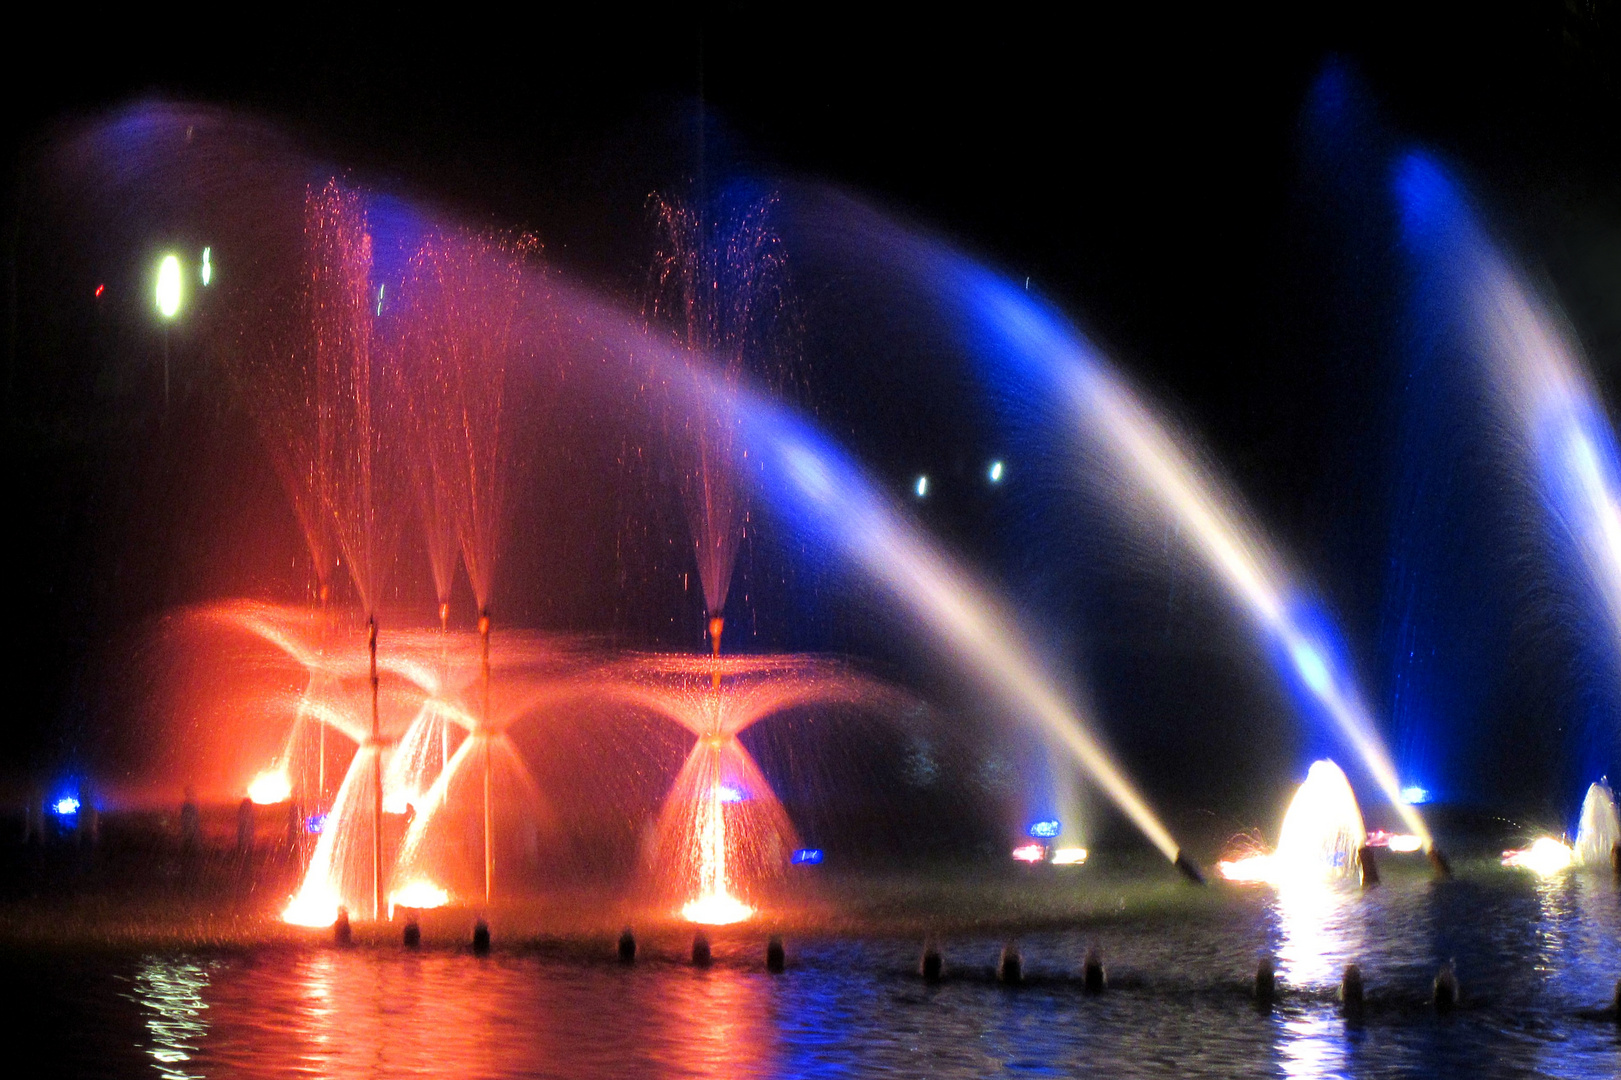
[1538, 962]
[173, 990]
[1320, 928]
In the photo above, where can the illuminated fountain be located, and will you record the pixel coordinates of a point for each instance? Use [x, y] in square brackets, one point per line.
[1033, 356]
[722, 834]
[464, 298]
[721, 280]
[1558, 439]
[1598, 830]
[1321, 840]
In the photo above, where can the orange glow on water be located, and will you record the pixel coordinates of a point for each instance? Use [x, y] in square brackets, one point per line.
[270, 787]
[1545, 857]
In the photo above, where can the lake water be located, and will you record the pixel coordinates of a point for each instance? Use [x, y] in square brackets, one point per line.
[1538, 963]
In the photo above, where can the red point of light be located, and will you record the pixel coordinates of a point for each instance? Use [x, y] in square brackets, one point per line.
[99, 290]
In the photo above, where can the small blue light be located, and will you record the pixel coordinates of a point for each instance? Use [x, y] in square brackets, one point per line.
[1045, 830]
[1414, 796]
[729, 793]
[315, 823]
[66, 806]
[807, 856]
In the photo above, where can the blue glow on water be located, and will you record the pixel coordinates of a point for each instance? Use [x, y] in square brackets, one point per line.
[1045, 830]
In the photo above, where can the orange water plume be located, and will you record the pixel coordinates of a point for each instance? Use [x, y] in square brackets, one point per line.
[723, 835]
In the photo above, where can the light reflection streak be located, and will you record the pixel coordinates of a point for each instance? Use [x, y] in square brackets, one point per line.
[173, 990]
[1321, 931]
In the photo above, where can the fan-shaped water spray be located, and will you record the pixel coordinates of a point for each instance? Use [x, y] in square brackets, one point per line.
[1598, 829]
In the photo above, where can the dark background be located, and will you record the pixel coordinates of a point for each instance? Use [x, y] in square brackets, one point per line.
[1143, 168]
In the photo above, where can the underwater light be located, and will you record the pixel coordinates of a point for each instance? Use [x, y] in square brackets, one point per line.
[1030, 853]
[312, 907]
[66, 806]
[1045, 830]
[718, 909]
[809, 856]
[1545, 856]
[168, 292]
[271, 786]
[417, 894]
[1069, 856]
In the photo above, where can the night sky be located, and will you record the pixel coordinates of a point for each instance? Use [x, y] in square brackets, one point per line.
[1147, 172]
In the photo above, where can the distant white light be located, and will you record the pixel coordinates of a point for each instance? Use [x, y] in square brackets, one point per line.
[995, 472]
[169, 286]
[922, 486]
[1414, 795]
[207, 270]
[1069, 856]
[1404, 842]
[67, 806]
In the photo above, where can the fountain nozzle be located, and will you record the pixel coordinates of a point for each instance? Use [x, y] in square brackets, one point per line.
[1188, 868]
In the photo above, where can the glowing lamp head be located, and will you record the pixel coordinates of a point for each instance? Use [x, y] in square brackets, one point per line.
[994, 473]
[1413, 795]
[66, 806]
[206, 270]
[168, 292]
[921, 487]
[1404, 843]
[270, 787]
[1069, 856]
[1045, 830]
[1545, 857]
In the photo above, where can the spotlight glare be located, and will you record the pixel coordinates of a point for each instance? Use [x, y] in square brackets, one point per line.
[168, 294]
[1030, 853]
